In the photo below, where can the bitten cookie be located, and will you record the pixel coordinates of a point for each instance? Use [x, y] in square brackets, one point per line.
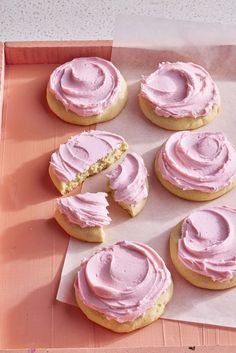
[128, 183]
[83, 216]
[123, 287]
[203, 248]
[179, 96]
[197, 166]
[86, 91]
[84, 155]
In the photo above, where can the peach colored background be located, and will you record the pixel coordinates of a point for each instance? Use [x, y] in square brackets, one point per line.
[32, 246]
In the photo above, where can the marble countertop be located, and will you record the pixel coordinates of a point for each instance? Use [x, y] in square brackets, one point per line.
[95, 19]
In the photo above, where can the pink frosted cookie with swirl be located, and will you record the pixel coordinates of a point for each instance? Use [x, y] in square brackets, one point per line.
[203, 248]
[83, 216]
[128, 183]
[86, 91]
[179, 96]
[197, 166]
[123, 287]
[84, 155]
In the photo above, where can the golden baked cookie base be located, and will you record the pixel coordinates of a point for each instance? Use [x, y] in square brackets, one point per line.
[147, 318]
[176, 124]
[89, 234]
[133, 210]
[97, 167]
[194, 278]
[70, 117]
[192, 195]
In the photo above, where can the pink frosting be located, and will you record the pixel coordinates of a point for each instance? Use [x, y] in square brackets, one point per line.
[180, 90]
[81, 151]
[122, 281]
[86, 210]
[208, 243]
[86, 86]
[204, 161]
[129, 180]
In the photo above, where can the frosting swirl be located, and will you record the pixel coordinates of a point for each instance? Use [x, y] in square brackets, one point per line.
[86, 210]
[129, 180]
[208, 243]
[204, 161]
[86, 86]
[81, 151]
[122, 281]
[180, 90]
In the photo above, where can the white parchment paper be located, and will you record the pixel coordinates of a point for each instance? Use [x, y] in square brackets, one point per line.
[140, 44]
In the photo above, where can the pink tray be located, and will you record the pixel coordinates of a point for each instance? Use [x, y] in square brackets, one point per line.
[32, 246]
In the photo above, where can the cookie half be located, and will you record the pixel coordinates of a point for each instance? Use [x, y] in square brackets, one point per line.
[84, 155]
[128, 183]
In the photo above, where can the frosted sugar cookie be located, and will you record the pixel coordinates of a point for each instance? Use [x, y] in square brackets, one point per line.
[86, 91]
[179, 96]
[123, 287]
[203, 248]
[197, 166]
[84, 155]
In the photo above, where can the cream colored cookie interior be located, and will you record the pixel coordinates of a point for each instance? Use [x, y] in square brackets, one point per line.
[147, 318]
[194, 278]
[133, 210]
[176, 124]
